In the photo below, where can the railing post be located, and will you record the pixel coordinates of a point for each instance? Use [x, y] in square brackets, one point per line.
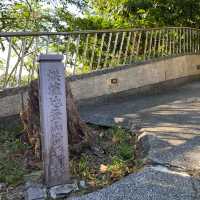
[101, 48]
[76, 56]
[127, 46]
[170, 43]
[93, 50]
[21, 62]
[8, 62]
[138, 44]
[121, 46]
[167, 41]
[163, 43]
[177, 41]
[86, 47]
[108, 49]
[155, 44]
[180, 40]
[190, 40]
[185, 40]
[159, 42]
[115, 46]
[150, 45]
[34, 58]
[145, 46]
[133, 47]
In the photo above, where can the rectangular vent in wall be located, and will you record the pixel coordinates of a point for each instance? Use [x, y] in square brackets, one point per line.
[198, 67]
[114, 81]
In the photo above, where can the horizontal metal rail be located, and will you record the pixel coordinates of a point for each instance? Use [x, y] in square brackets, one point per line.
[21, 34]
[86, 51]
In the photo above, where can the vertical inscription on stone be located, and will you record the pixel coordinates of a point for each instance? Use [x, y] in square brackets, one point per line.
[53, 120]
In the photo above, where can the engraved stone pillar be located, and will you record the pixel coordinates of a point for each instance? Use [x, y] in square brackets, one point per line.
[53, 116]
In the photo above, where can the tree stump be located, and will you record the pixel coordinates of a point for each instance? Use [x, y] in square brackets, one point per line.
[79, 133]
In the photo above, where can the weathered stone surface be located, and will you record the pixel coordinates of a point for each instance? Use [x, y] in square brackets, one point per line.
[2, 187]
[53, 120]
[82, 184]
[35, 191]
[62, 191]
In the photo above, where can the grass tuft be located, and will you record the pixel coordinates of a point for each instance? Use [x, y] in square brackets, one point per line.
[12, 170]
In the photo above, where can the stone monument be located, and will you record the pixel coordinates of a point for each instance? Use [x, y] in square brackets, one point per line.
[53, 116]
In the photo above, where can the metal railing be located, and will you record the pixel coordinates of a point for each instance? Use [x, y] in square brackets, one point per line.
[86, 51]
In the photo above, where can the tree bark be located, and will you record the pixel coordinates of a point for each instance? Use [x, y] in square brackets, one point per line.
[79, 134]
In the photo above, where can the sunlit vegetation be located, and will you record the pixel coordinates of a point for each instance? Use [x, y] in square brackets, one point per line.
[116, 159]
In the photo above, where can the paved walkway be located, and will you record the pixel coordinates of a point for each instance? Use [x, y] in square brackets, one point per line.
[170, 139]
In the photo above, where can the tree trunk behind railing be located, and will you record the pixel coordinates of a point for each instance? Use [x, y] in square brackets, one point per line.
[79, 134]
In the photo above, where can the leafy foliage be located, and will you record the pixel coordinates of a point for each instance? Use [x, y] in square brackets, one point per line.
[148, 13]
[45, 15]
[37, 15]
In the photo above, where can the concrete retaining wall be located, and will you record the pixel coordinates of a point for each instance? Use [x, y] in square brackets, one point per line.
[113, 81]
[130, 77]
